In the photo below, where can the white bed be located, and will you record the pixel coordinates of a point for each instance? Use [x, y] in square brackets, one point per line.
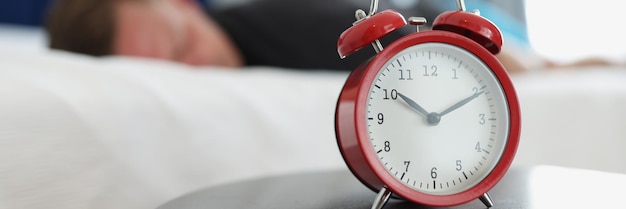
[82, 132]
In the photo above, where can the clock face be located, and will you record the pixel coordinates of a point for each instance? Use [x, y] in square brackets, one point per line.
[437, 118]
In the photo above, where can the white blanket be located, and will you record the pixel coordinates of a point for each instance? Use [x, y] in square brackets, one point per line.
[78, 132]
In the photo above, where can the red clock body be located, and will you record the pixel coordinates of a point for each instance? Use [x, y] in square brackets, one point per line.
[434, 117]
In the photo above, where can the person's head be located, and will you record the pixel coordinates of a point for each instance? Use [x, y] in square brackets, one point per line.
[176, 30]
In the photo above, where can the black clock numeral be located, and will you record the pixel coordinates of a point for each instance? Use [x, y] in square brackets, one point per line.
[387, 146]
[406, 164]
[393, 94]
[430, 71]
[381, 118]
[433, 172]
[405, 75]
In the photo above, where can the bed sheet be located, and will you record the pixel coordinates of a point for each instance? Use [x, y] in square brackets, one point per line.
[82, 132]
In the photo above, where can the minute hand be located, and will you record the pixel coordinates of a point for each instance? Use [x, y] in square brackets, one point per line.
[460, 103]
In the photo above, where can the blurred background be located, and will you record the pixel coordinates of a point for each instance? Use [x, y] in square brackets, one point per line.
[122, 133]
[560, 30]
[567, 30]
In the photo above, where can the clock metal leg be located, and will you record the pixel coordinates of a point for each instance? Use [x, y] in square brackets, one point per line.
[486, 200]
[381, 198]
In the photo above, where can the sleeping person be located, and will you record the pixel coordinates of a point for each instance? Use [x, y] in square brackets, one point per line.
[281, 33]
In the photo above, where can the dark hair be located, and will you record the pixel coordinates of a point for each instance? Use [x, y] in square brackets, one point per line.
[82, 26]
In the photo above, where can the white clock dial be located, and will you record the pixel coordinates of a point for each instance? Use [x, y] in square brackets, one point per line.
[437, 118]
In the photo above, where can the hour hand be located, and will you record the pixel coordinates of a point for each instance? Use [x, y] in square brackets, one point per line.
[413, 104]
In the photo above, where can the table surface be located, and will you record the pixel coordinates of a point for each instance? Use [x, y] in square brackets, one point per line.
[521, 187]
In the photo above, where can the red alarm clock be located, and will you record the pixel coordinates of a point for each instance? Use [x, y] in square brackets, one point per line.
[433, 118]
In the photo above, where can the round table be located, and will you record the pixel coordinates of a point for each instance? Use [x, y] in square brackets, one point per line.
[521, 187]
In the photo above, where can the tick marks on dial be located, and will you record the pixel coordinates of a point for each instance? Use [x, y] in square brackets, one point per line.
[464, 175]
[484, 150]
[379, 151]
[402, 177]
[377, 86]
